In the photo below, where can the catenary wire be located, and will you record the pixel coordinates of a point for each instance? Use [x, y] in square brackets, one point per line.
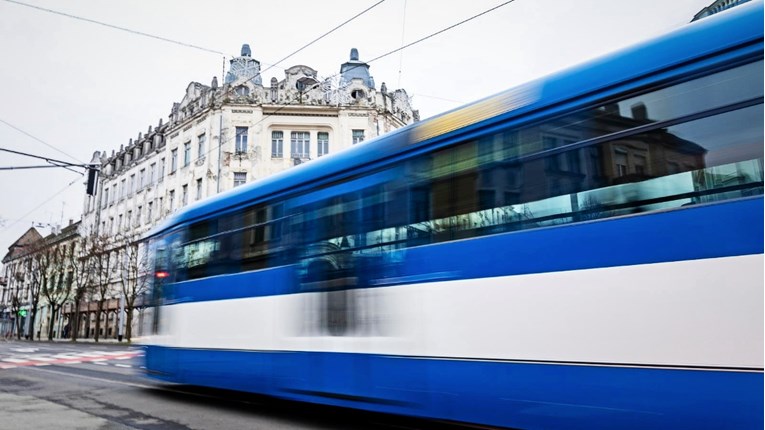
[442, 30]
[40, 140]
[46, 201]
[223, 142]
[374, 59]
[170, 41]
[325, 34]
[116, 27]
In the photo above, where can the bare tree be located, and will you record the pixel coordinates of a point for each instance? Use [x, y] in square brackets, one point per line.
[80, 266]
[102, 261]
[17, 299]
[133, 268]
[59, 286]
[38, 266]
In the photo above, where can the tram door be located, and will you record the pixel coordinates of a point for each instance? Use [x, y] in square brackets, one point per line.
[340, 257]
[349, 244]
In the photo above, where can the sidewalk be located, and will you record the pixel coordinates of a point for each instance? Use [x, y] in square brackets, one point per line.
[21, 411]
[134, 342]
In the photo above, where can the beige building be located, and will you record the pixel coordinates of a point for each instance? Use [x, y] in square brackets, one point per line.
[221, 136]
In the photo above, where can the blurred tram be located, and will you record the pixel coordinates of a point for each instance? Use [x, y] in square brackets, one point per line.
[583, 251]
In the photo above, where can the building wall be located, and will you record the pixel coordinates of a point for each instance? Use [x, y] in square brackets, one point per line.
[153, 176]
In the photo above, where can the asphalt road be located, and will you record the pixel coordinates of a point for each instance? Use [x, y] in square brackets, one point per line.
[67, 385]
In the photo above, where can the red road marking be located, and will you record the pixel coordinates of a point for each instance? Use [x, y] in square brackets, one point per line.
[72, 360]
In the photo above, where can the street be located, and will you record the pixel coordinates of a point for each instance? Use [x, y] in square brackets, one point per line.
[101, 386]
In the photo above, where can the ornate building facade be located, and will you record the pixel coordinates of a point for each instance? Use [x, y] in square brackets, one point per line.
[221, 136]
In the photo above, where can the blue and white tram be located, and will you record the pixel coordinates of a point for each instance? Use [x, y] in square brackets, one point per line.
[585, 251]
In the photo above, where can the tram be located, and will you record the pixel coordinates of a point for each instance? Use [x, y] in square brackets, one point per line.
[582, 251]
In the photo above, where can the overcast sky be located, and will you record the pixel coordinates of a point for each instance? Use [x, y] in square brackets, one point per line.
[71, 87]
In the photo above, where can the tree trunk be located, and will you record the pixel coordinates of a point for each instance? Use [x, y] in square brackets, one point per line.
[74, 321]
[87, 323]
[129, 324]
[99, 310]
[51, 319]
[18, 327]
[33, 315]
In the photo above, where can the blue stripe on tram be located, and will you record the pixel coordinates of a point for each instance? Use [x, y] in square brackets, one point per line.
[519, 395]
[708, 231]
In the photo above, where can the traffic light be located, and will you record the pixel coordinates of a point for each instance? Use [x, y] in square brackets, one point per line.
[22, 312]
[92, 179]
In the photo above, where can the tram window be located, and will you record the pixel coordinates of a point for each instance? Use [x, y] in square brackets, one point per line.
[253, 248]
[277, 222]
[454, 192]
[373, 209]
[245, 240]
[697, 95]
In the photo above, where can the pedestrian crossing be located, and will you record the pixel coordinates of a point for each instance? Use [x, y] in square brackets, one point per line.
[70, 358]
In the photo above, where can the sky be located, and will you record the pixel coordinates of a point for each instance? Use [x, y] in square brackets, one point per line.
[71, 86]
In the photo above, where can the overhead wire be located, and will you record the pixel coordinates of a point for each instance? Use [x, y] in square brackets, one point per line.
[222, 142]
[403, 34]
[48, 200]
[56, 163]
[116, 27]
[164, 39]
[248, 78]
[285, 106]
[441, 31]
[325, 34]
[39, 140]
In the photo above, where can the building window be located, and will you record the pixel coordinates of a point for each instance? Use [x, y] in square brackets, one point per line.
[186, 154]
[138, 214]
[322, 141]
[174, 160]
[201, 145]
[123, 189]
[185, 195]
[277, 144]
[172, 200]
[358, 136]
[106, 197]
[161, 175]
[128, 220]
[241, 140]
[152, 173]
[240, 178]
[148, 212]
[640, 164]
[620, 160]
[300, 144]
[141, 179]
[199, 189]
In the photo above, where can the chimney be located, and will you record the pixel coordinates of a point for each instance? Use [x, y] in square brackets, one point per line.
[639, 112]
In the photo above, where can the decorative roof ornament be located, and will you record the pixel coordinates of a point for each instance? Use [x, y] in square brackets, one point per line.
[244, 67]
[356, 69]
[336, 91]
